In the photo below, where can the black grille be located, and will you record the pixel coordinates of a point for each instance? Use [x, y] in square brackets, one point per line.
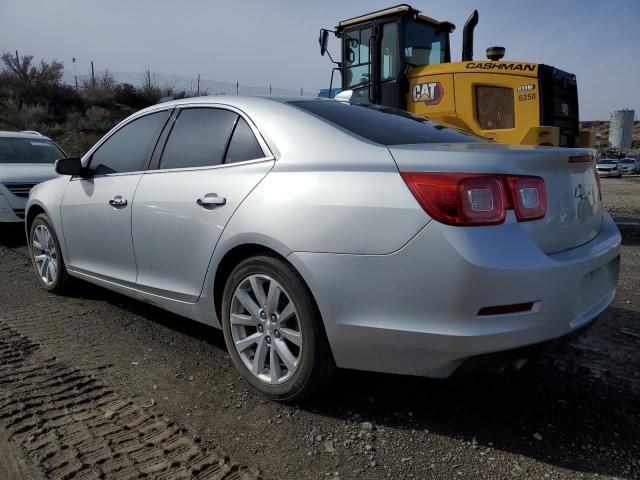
[559, 103]
[20, 189]
[494, 107]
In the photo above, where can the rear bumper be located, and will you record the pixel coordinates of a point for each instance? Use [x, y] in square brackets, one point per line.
[512, 360]
[416, 311]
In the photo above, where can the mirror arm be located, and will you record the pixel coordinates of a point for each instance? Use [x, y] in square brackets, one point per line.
[337, 34]
[339, 64]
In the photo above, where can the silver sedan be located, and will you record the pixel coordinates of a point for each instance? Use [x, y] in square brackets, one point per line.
[319, 235]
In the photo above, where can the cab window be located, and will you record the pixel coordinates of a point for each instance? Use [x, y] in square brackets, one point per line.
[358, 57]
[389, 50]
[424, 44]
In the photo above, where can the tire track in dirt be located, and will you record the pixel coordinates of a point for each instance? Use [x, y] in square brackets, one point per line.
[71, 425]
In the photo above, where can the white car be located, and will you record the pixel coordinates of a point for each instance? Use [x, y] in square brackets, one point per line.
[629, 166]
[26, 159]
[608, 167]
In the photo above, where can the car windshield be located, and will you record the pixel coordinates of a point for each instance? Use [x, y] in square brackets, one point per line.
[627, 160]
[607, 161]
[384, 125]
[28, 150]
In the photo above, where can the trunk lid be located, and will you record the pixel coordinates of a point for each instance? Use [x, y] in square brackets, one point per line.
[574, 211]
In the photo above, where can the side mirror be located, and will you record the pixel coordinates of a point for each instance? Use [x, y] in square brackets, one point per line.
[69, 166]
[323, 40]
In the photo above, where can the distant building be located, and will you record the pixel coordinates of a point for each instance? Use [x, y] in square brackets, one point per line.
[621, 129]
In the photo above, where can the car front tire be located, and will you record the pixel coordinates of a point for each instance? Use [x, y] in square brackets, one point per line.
[273, 330]
[46, 256]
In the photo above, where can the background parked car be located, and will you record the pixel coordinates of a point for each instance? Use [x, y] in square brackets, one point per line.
[26, 159]
[629, 166]
[608, 167]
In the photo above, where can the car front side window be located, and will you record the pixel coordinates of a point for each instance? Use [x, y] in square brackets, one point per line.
[130, 147]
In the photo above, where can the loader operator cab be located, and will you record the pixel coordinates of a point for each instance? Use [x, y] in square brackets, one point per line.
[378, 48]
[398, 57]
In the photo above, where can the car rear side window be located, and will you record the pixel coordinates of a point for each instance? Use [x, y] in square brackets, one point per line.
[129, 148]
[243, 145]
[384, 125]
[199, 138]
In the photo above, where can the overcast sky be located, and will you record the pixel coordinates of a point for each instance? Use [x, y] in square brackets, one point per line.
[275, 42]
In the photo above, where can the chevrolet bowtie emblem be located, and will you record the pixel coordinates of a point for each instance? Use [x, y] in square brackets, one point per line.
[580, 192]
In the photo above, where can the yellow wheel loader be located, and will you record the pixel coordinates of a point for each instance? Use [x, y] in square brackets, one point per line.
[400, 58]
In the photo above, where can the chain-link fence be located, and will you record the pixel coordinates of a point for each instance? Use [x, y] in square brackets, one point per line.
[193, 85]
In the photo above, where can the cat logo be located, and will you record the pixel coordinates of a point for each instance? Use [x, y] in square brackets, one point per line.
[430, 93]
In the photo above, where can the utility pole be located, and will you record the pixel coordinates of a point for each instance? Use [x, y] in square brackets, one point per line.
[269, 89]
[237, 88]
[198, 84]
[75, 75]
[93, 76]
[301, 90]
[17, 61]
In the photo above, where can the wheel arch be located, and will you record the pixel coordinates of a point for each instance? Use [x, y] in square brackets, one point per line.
[241, 252]
[33, 211]
[229, 261]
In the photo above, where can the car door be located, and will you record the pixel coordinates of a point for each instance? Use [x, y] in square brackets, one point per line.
[96, 210]
[213, 157]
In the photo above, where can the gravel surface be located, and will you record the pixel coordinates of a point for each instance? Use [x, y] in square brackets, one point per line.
[621, 196]
[96, 385]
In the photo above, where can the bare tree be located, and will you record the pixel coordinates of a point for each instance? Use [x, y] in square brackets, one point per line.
[105, 80]
[23, 72]
[26, 79]
[150, 88]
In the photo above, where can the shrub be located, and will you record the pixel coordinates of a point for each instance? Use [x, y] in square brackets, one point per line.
[30, 117]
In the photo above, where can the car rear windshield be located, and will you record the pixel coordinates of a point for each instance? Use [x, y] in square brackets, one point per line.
[384, 125]
[28, 150]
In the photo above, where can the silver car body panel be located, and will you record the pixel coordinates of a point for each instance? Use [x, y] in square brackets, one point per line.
[416, 311]
[397, 292]
[98, 235]
[174, 237]
[574, 215]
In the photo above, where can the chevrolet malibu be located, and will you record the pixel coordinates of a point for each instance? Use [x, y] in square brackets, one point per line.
[319, 235]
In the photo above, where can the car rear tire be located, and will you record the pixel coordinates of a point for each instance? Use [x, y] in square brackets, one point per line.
[46, 256]
[273, 330]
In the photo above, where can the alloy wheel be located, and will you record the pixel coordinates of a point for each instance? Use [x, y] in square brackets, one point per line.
[44, 254]
[265, 328]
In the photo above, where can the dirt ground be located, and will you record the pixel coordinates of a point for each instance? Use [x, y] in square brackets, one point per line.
[96, 385]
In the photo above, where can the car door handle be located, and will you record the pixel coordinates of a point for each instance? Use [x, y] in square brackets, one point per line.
[211, 200]
[118, 201]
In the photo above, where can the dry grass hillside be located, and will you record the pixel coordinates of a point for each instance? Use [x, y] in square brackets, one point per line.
[602, 131]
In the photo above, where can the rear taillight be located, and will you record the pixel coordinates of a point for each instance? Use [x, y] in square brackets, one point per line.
[477, 199]
[458, 198]
[528, 197]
